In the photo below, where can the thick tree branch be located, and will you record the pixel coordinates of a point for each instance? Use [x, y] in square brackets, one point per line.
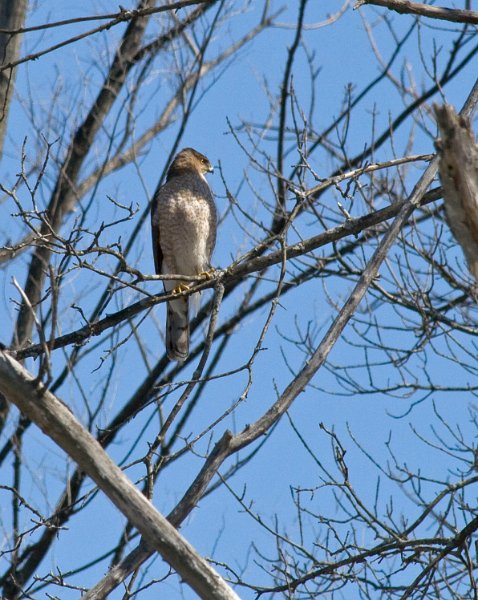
[56, 420]
[458, 152]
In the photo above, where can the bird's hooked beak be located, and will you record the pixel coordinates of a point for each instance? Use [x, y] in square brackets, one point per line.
[210, 169]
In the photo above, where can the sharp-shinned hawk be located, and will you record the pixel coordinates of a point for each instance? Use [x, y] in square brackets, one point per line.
[184, 224]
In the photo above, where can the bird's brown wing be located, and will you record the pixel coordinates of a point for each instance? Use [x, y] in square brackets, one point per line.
[211, 242]
[157, 252]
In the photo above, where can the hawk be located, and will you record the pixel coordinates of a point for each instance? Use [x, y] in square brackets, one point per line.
[184, 224]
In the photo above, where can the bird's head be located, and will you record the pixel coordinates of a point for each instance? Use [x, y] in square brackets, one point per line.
[189, 160]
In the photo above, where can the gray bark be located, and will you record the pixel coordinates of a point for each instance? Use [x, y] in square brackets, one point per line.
[458, 152]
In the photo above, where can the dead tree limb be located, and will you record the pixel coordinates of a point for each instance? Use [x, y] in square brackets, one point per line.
[458, 168]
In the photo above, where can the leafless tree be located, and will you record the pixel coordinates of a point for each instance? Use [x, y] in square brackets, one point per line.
[320, 440]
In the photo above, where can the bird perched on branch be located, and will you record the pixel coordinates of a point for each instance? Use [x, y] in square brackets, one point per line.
[184, 224]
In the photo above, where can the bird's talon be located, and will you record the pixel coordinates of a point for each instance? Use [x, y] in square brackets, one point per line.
[208, 274]
[182, 287]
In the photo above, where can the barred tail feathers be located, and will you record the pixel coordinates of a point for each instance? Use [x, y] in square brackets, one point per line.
[177, 329]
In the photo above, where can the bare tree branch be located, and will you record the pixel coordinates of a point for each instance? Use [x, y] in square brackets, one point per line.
[122, 16]
[64, 195]
[454, 15]
[233, 273]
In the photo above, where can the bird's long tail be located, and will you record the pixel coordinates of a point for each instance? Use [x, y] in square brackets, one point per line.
[177, 329]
